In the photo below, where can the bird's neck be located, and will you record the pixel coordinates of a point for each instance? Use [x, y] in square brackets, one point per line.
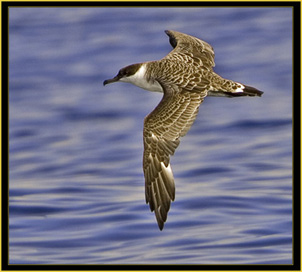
[142, 80]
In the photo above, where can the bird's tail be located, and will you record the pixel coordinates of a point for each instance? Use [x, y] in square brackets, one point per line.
[246, 91]
[229, 88]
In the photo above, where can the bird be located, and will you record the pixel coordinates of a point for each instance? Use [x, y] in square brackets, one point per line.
[185, 76]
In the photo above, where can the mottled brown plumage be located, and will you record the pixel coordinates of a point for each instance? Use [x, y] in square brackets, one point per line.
[163, 127]
[186, 77]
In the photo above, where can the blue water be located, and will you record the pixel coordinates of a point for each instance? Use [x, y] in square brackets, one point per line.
[76, 186]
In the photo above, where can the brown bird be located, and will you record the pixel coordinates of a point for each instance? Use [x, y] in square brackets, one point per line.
[186, 77]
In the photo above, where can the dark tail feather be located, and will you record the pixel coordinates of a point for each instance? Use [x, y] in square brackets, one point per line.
[248, 90]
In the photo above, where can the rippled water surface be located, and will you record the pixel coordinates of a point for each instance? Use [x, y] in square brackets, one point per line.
[76, 186]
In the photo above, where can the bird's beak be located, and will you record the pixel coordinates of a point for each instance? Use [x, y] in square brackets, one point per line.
[108, 81]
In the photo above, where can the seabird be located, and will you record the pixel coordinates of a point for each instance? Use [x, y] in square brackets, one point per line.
[185, 77]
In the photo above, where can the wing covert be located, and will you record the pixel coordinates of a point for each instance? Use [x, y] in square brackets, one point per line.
[198, 51]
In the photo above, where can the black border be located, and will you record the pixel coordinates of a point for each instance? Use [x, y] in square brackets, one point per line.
[296, 266]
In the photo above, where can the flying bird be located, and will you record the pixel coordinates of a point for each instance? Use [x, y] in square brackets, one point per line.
[185, 77]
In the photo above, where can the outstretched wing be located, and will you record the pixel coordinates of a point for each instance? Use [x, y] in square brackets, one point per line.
[163, 127]
[197, 50]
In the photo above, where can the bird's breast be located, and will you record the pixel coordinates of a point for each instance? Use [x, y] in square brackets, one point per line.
[142, 80]
[152, 86]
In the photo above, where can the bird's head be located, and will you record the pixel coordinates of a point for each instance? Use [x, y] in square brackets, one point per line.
[124, 74]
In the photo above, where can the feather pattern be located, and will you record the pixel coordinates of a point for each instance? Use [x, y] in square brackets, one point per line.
[163, 127]
[186, 77]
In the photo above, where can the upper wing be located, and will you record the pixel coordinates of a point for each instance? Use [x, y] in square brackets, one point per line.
[197, 50]
[163, 127]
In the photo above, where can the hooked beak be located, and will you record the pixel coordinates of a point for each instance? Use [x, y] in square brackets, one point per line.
[108, 81]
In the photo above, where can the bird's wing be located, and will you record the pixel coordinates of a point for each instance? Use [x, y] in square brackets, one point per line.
[197, 50]
[163, 127]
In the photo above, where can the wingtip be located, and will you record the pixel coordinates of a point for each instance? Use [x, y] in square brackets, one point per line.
[172, 38]
[170, 32]
[161, 226]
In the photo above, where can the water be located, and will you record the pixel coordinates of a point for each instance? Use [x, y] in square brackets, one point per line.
[76, 186]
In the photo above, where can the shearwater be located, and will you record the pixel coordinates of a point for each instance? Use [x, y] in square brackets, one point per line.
[186, 77]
